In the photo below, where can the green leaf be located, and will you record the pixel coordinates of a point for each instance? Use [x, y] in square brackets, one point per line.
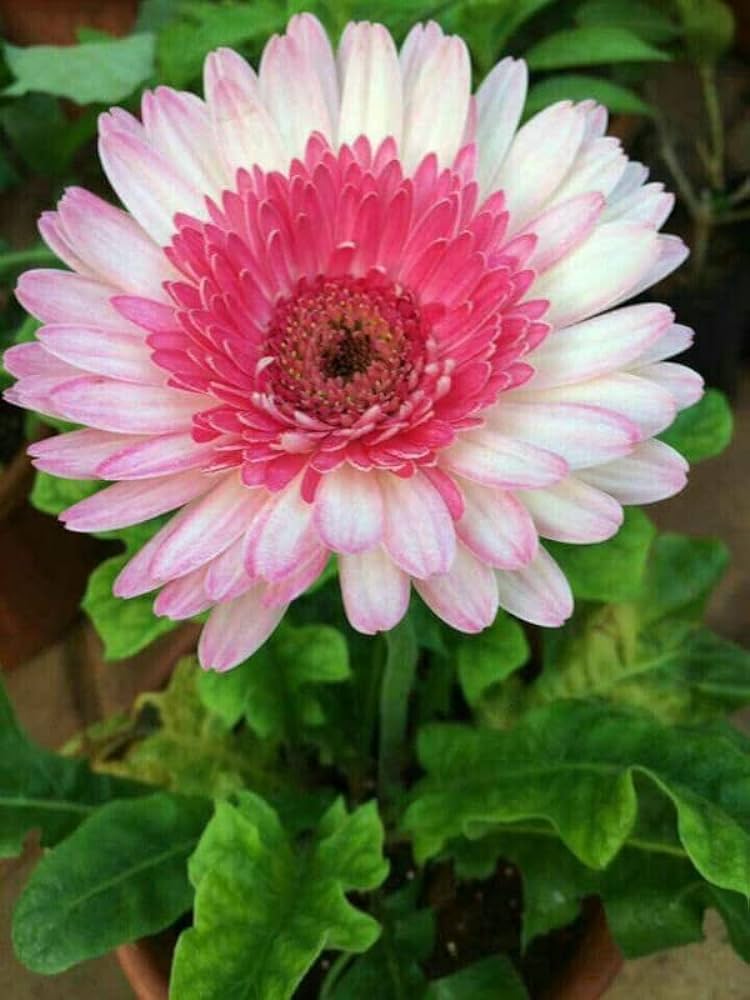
[489, 979]
[591, 46]
[490, 657]
[125, 626]
[650, 653]
[188, 749]
[639, 16]
[120, 876]
[579, 87]
[266, 907]
[101, 72]
[573, 764]
[40, 790]
[653, 896]
[274, 689]
[708, 28]
[611, 570]
[703, 429]
[184, 44]
[42, 136]
[391, 967]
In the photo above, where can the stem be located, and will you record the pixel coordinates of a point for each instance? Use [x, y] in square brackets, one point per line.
[334, 974]
[398, 679]
[17, 260]
[707, 73]
[681, 179]
[703, 225]
[741, 193]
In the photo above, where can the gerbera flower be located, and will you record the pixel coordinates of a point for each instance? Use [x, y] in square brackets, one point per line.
[351, 308]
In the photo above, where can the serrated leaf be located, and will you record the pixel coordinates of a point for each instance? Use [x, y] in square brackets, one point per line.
[120, 876]
[101, 72]
[274, 689]
[704, 429]
[187, 748]
[611, 570]
[573, 764]
[265, 906]
[184, 44]
[488, 658]
[681, 575]
[579, 87]
[41, 790]
[591, 46]
[489, 979]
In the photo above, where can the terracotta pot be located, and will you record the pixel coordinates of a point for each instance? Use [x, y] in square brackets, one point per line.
[591, 971]
[43, 570]
[55, 22]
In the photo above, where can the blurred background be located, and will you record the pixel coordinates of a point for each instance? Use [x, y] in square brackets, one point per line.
[675, 75]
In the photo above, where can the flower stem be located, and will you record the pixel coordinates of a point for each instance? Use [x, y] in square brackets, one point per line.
[707, 73]
[398, 680]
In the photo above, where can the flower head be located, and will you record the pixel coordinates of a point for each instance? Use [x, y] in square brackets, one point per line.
[353, 309]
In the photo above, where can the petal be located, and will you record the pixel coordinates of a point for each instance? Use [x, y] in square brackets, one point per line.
[375, 591]
[581, 435]
[146, 457]
[126, 408]
[76, 455]
[282, 536]
[572, 511]
[436, 103]
[349, 510]
[539, 593]
[226, 576]
[605, 268]
[303, 576]
[497, 460]
[62, 297]
[653, 471]
[127, 503]
[596, 346]
[561, 228]
[647, 405]
[178, 127]
[371, 92]
[419, 534]
[466, 596]
[672, 252]
[113, 245]
[151, 188]
[681, 382]
[246, 133]
[500, 100]
[236, 630]
[183, 598]
[120, 355]
[205, 527]
[540, 156]
[675, 340]
[497, 527]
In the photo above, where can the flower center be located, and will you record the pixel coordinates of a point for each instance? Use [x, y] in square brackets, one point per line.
[338, 347]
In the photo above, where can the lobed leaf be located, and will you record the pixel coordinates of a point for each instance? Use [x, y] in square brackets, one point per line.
[704, 429]
[266, 906]
[121, 875]
[573, 764]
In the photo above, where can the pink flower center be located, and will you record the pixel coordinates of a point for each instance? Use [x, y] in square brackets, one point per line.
[339, 346]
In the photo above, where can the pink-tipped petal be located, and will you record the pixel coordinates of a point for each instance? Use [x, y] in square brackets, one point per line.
[572, 511]
[493, 459]
[539, 593]
[146, 457]
[466, 596]
[497, 527]
[500, 100]
[349, 510]
[561, 228]
[62, 297]
[114, 353]
[675, 340]
[653, 471]
[126, 408]
[236, 630]
[77, 455]
[374, 589]
[681, 382]
[183, 598]
[419, 535]
[127, 503]
[283, 535]
[371, 90]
